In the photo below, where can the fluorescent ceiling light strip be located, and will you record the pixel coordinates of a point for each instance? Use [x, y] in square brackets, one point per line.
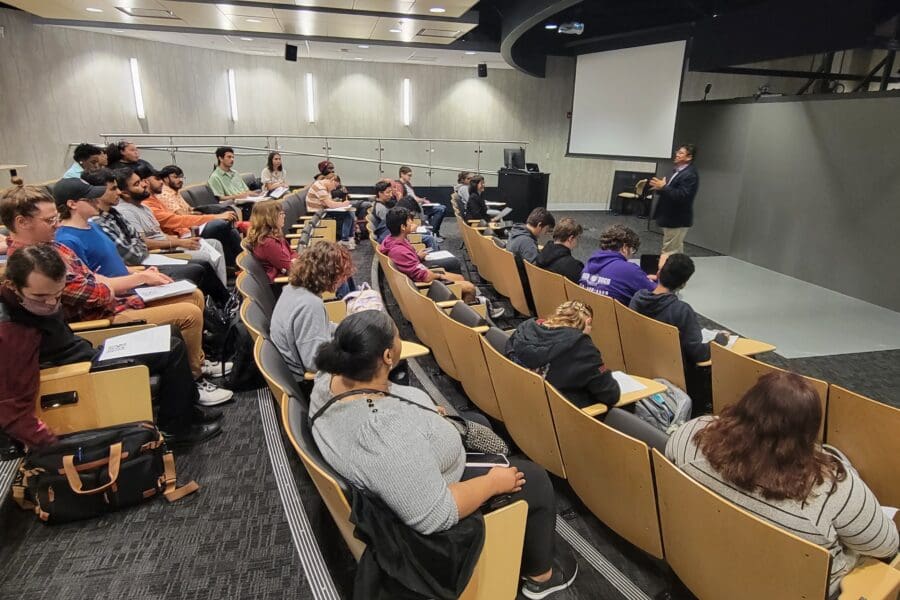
[310, 100]
[136, 85]
[232, 95]
[407, 108]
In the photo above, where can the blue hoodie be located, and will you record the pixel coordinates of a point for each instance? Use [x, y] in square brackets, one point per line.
[608, 273]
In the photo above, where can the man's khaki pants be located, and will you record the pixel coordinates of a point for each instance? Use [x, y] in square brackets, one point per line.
[673, 239]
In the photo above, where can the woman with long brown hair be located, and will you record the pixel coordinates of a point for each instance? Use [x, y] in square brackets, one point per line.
[299, 322]
[762, 454]
[266, 240]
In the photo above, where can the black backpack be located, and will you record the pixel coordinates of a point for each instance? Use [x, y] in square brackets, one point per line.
[238, 346]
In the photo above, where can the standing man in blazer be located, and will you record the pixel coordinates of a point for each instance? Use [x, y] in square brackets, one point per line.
[675, 204]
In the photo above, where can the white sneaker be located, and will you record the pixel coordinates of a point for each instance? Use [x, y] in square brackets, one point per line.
[213, 368]
[495, 312]
[349, 244]
[211, 395]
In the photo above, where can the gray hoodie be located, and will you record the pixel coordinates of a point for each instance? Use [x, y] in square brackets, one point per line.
[522, 243]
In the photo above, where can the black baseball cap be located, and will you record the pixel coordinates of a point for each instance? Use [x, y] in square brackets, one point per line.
[75, 189]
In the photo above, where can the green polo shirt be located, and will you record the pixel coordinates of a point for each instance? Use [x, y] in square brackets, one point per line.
[226, 183]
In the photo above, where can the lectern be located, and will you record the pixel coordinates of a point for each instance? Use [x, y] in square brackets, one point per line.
[522, 191]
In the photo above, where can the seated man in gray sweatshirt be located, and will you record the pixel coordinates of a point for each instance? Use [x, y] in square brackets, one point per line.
[664, 305]
[522, 239]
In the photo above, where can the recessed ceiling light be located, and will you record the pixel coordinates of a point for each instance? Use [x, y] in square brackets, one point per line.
[363, 46]
[395, 30]
[246, 39]
[94, 10]
[550, 26]
[254, 21]
[437, 9]
[471, 52]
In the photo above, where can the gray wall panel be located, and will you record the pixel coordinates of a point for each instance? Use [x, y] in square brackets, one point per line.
[805, 188]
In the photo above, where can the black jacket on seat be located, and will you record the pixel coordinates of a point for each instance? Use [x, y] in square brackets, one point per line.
[558, 259]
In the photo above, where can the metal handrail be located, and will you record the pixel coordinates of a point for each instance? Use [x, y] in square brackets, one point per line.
[128, 136]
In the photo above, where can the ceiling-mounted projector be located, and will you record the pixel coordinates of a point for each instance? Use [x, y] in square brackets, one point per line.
[573, 28]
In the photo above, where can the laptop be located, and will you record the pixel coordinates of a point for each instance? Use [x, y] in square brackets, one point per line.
[650, 263]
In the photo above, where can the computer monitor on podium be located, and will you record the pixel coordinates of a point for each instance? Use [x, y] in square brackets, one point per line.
[514, 158]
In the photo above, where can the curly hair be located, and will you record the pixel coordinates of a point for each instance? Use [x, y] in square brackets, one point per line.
[617, 236]
[322, 267]
[766, 442]
[264, 222]
[573, 313]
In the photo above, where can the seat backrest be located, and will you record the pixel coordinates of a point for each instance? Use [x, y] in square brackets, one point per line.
[425, 323]
[439, 292]
[251, 181]
[254, 318]
[610, 471]
[605, 327]
[526, 411]
[734, 374]
[497, 338]
[506, 275]
[721, 551]
[639, 187]
[650, 348]
[250, 288]
[198, 195]
[548, 289]
[294, 208]
[276, 372]
[867, 432]
[332, 488]
[466, 315]
[633, 426]
[464, 344]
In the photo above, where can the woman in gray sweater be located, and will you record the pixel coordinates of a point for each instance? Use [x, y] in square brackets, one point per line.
[299, 322]
[762, 455]
[393, 441]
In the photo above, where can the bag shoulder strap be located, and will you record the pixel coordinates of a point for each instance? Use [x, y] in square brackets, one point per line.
[172, 492]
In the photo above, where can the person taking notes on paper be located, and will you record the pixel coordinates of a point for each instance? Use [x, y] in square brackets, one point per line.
[560, 349]
[318, 197]
[664, 305]
[30, 215]
[31, 323]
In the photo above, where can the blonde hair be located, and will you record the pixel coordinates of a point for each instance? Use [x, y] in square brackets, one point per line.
[570, 314]
[264, 222]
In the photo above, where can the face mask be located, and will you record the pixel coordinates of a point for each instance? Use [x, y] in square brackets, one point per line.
[40, 309]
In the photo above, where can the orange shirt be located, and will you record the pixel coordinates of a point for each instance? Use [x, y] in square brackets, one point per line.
[173, 213]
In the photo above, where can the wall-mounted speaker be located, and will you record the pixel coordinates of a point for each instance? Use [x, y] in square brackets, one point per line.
[482, 69]
[290, 52]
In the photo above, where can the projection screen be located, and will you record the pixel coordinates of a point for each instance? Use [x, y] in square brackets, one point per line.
[625, 101]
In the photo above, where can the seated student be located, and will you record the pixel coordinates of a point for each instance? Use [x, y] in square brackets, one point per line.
[176, 218]
[476, 209]
[560, 348]
[143, 184]
[434, 214]
[557, 255]
[462, 189]
[107, 242]
[384, 201]
[395, 444]
[522, 238]
[31, 323]
[125, 154]
[318, 197]
[608, 271]
[31, 217]
[409, 262]
[664, 305]
[273, 175]
[299, 322]
[224, 181]
[266, 240]
[762, 454]
[87, 158]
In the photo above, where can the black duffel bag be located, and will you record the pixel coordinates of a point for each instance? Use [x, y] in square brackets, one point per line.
[89, 473]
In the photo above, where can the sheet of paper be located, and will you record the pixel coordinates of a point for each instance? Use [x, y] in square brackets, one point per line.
[708, 335]
[340, 209]
[136, 343]
[360, 196]
[438, 255]
[430, 204]
[249, 200]
[278, 192]
[210, 251]
[423, 229]
[176, 288]
[157, 260]
[627, 383]
[495, 203]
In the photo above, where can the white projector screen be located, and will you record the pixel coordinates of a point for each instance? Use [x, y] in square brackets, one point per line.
[625, 101]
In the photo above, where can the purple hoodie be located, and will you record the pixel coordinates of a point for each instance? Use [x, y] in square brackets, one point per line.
[608, 273]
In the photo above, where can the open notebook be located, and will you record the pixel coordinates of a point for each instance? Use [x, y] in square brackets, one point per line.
[159, 292]
[710, 334]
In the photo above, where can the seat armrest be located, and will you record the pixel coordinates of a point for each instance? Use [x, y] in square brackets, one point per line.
[481, 329]
[61, 372]
[293, 236]
[447, 303]
[595, 409]
[85, 325]
[282, 279]
[870, 579]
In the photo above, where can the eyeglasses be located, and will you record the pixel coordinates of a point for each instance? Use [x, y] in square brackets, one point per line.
[54, 220]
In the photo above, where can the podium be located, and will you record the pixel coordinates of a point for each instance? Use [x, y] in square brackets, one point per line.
[522, 191]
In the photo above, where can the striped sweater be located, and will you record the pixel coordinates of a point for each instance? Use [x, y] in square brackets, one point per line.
[847, 521]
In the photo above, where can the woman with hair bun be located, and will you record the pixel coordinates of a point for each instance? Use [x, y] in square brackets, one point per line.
[561, 349]
[763, 454]
[392, 441]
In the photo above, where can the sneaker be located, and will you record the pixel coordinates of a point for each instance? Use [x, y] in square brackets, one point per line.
[565, 569]
[438, 238]
[495, 312]
[211, 395]
[213, 368]
[348, 244]
[196, 433]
